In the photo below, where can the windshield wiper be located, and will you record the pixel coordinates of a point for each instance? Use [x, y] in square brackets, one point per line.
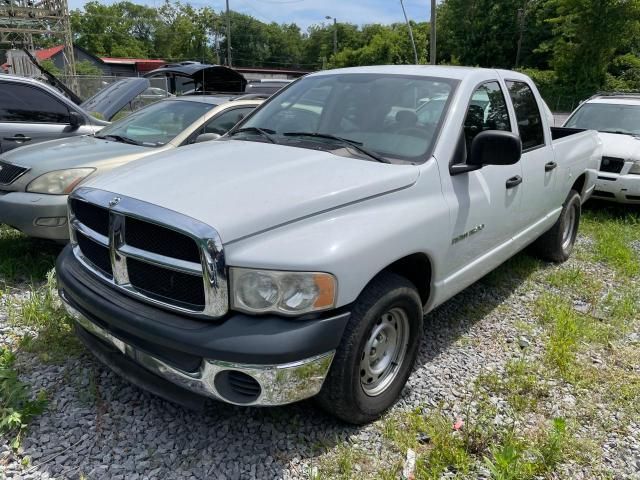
[121, 139]
[345, 141]
[265, 132]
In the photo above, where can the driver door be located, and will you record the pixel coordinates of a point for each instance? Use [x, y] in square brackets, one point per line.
[484, 204]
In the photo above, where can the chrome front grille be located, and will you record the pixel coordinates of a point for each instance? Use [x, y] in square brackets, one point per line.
[9, 173]
[151, 253]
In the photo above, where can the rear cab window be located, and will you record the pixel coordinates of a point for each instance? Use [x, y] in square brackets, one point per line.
[527, 114]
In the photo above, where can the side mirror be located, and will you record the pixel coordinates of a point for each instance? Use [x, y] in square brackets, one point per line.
[75, 119]
[491, 147]
[205, 137]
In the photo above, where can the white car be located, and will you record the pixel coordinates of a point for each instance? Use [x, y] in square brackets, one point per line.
[617, 117]
[297, 255]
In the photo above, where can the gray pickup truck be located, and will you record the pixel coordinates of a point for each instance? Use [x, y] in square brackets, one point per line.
[297, 256]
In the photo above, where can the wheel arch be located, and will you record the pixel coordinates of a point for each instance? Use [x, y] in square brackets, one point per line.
[579, 184]
[418, 269]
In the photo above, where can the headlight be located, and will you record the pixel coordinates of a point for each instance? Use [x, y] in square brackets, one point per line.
[286, 293]
[635, 168]
[60, 182]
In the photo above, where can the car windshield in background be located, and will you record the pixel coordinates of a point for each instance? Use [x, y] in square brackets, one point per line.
[156, 124]
[607, 118]
[376, 117]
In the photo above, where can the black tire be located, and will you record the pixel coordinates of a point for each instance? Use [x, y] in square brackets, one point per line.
[557, 244]
[343, 393]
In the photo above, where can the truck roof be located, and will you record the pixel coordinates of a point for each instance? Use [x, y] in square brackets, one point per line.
[616, 99]
[457, 73]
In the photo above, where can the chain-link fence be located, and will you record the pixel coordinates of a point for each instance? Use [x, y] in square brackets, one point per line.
[86, 86]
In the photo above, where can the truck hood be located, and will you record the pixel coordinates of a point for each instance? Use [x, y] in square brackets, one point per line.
[620, 146]
[243, 188]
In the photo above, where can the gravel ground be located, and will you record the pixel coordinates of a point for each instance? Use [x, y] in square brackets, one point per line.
[99, 426]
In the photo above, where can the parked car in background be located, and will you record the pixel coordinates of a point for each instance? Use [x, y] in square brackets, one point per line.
[32, 112]
[301, 261]
[617, 117]
[35, 180]
[266, 86]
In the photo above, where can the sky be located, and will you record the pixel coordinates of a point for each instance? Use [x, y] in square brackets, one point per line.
[309, 12]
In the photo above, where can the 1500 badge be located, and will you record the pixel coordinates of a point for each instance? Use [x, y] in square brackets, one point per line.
[466, 235]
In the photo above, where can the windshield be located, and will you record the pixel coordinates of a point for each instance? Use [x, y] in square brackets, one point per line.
[156, 124]
[393, 117]
[607, 118]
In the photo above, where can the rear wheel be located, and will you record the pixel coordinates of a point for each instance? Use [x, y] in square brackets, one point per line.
[557, 244]
[377, 351]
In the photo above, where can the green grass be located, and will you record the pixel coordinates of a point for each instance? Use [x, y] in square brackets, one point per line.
[42, 311]
[17, 407]
[613, 233]
[24, 259]
[523, 384]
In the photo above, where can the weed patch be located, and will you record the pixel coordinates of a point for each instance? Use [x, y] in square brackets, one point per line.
[17, 408]
[42, 311]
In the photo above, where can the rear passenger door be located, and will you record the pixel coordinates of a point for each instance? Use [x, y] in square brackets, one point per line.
[539, 167]
[29, 115]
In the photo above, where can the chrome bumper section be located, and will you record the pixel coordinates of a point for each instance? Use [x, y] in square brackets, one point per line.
[279, 384]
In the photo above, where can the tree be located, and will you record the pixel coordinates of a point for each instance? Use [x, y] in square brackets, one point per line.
[587, 34]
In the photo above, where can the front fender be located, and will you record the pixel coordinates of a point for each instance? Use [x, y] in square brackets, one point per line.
[355, 242]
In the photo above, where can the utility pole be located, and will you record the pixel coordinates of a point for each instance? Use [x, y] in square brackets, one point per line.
[335, 33]
[522, 13]
[228, 37]
[413, 42]
[432, 55]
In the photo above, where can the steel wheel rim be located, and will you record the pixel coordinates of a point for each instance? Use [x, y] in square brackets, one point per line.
[384, 351]
[569, 226]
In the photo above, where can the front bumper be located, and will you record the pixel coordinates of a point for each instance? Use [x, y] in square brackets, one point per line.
[618, 188]
[277, 360]
[36, 215]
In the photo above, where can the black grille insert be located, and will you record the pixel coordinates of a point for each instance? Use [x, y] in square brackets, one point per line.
[94, 217]
[97, 254]
[163, 241]
[611, 164]
[177, 288]
[9, 173]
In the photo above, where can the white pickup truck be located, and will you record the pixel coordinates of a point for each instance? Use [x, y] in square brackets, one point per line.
[297, 256]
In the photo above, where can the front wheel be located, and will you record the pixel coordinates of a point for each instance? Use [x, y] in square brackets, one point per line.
[377, 351]
[557, 244]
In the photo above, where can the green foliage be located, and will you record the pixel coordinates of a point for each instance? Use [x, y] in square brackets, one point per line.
[17, 408]
[51, 67]
[22, 258]
[87, 68]
[42, 311]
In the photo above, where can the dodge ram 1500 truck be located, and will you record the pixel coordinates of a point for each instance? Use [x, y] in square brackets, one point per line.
[297, 256]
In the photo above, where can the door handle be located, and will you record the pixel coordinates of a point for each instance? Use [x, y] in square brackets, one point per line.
[514, 181]
[550, 166]
[18, 138]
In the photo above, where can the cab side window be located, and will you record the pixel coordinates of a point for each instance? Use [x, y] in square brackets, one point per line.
[487, 111]
[26, 104]
[226, 120]
[528, 115]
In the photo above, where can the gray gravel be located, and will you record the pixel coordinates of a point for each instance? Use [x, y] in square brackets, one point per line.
[100, 426]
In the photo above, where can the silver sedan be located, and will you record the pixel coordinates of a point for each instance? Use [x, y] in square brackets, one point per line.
[35, 180]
